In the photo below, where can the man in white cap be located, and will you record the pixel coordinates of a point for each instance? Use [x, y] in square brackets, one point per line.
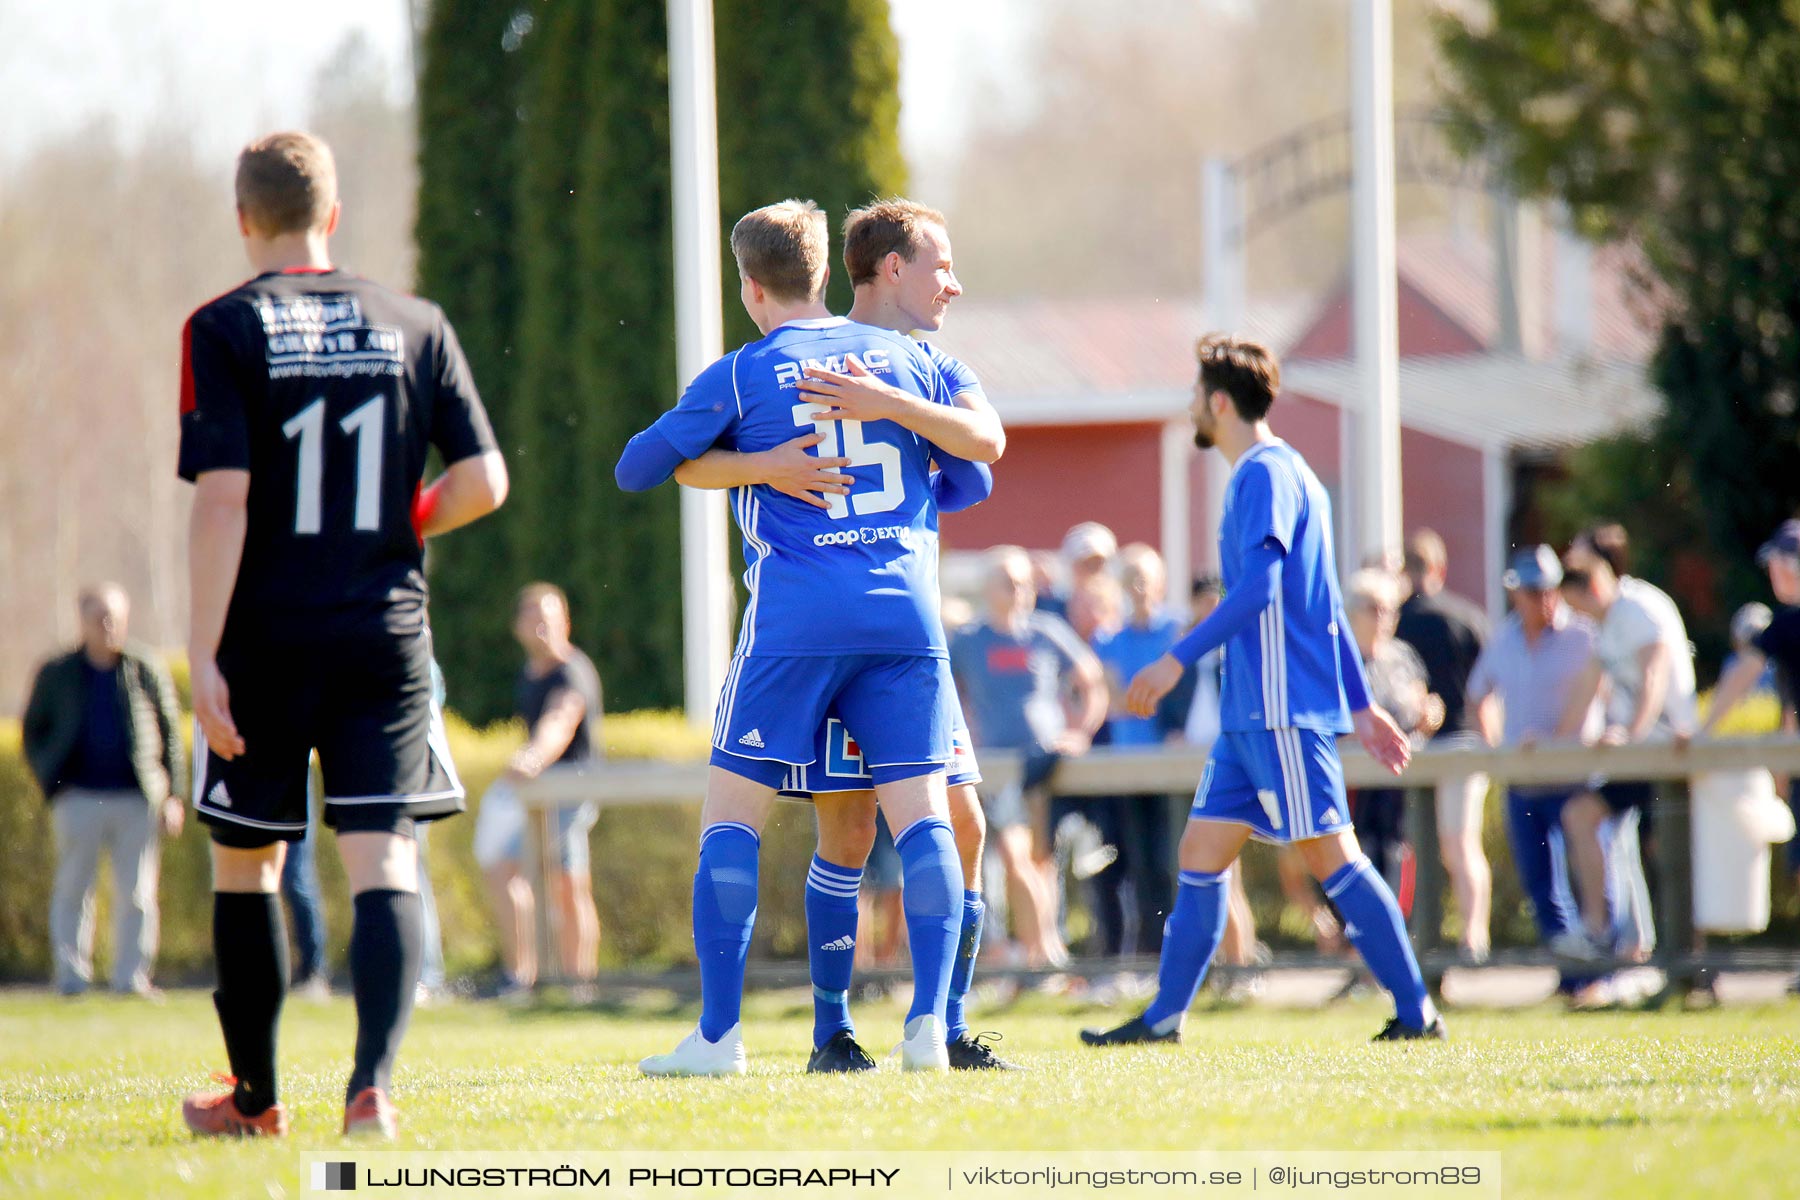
[1088, 550]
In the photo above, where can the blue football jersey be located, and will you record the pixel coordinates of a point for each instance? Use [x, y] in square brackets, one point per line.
[861, 575]
[959, 377]
[1283, 670]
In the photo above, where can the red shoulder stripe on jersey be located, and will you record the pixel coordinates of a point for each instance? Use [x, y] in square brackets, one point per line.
[187, 349]
[419, 514]
[187, 366]
[307, 270]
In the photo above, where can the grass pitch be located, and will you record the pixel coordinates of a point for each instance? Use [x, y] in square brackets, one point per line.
[1638, 1105]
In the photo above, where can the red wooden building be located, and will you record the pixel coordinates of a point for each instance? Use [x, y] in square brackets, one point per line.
[1094, 395]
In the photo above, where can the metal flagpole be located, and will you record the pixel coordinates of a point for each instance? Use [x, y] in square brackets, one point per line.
[1224, 287]
[1376, 486]
[699, 339]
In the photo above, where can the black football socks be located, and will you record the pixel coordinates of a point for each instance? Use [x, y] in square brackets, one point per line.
[384, 972]
[251, 953]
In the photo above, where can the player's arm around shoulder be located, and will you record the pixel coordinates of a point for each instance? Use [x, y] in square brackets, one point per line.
[940, 416]
[965, 390]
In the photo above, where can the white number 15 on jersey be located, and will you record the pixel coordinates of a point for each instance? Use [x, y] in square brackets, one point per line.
[861, 454]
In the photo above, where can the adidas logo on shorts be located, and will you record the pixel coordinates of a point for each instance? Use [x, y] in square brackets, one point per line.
[753, 739]
[219, 797]
[844, 943]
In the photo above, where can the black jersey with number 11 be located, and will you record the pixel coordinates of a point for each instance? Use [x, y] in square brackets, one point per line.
[329, 389]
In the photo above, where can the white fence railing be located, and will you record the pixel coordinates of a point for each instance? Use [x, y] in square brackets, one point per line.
[1106, 771]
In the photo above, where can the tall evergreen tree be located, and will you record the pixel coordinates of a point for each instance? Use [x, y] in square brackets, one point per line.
[578, 307]
[468, 146]
[624, 339]
[809, 106]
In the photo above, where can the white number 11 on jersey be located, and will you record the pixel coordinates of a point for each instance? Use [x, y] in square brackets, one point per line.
[367, 424]
[885, 498]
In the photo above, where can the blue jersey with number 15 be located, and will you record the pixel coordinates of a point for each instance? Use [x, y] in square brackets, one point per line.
[861, 576]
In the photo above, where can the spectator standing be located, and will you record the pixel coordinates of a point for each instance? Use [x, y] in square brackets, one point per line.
[558, 698]
[1645, 666]
[1448, 633]
[1048, 580]
[1520, 688]
[1012, 671]
[1397, 682]
[100, 735]
[1095, 608]
[1777, 643]
[1087, 552]
[1140, 826]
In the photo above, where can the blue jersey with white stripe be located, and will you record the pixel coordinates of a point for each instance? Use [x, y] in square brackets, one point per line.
[1282, 671]
[861, 576]
[959, 378]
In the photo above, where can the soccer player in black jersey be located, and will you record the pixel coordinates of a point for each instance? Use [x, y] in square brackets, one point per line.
[309, 400]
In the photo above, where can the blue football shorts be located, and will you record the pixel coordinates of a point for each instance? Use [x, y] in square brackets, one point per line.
[839, 766]
[1287, 785]
[774, 713]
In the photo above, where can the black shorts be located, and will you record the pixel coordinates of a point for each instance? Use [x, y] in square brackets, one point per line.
[365, 704]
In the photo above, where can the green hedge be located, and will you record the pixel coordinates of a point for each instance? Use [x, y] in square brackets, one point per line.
[643, 868]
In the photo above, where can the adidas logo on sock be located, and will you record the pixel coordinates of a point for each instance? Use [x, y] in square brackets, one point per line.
[753, 739]
[219, 797]
[1351, 931]
[844, 943]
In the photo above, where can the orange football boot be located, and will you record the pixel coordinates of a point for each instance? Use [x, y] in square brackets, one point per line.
[215, 1114]
[371, 1114]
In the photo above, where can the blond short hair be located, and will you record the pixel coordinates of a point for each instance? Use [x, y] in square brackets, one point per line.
[784, 247]
[286, 183]
[873, 232]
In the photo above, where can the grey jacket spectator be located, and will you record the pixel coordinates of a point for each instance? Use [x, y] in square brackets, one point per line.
[100, 734]
[54, 720]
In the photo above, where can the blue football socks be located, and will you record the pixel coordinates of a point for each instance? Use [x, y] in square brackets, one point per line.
[968, 945]
[1191, 937]
[724, 915]
[1373, 924]
[831, 944]
[931, 888]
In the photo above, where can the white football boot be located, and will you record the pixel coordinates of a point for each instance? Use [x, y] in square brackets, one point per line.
[697, 1056]
[923, 1048]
